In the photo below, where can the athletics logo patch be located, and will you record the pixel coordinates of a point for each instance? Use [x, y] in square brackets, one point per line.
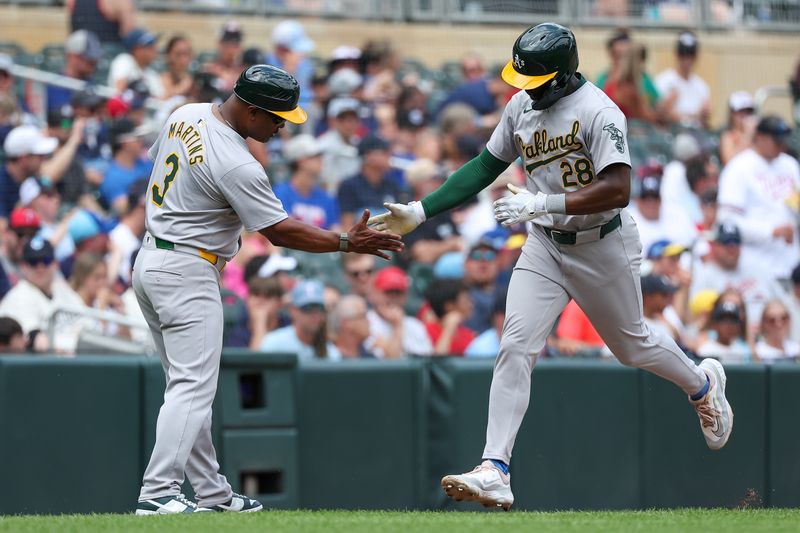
[616, 136]
[518, 62]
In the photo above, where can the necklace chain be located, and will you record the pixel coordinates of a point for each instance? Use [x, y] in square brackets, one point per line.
[219, 109]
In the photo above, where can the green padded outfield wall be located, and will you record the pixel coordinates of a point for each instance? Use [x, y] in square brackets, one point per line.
[362, 434]
[70, 434]
[783, 436]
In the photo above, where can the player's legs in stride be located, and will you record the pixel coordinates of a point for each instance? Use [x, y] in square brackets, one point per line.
[534, 302]
[606, 285]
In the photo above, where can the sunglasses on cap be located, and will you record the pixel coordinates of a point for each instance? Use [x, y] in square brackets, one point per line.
[482, 255]
[312, 308]
[46, 261]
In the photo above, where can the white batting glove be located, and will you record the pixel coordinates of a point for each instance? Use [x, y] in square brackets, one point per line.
[521, 206]
[400, 219]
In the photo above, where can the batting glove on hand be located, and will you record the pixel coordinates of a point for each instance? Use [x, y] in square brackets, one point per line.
[401, 218]
[522, 206]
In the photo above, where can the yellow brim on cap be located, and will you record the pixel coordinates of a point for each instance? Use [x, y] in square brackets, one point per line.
[297, 115]
[521, 81]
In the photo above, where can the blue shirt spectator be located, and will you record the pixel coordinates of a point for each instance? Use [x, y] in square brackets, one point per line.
[290, 38]
[119, 178]
[127, 167]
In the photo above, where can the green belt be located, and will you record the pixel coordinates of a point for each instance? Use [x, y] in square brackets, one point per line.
[569, 237]
[164, 245]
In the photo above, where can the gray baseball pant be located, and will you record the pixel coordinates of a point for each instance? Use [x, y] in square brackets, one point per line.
[603, 279]
[179, 296]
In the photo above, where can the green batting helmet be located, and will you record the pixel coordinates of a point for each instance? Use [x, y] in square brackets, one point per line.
[271, 89]
[543, 54]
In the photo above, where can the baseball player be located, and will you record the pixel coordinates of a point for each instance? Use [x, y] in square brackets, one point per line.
[204, 189]
[582, 245]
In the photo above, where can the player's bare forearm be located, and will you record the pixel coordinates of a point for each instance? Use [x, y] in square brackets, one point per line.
[610, 190]
[291, 233]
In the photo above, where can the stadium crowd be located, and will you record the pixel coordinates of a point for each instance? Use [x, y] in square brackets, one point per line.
[717, 211]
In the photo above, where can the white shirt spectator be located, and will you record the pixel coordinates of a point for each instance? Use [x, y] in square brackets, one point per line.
[672, 225]
[770, 354]
[750, 278]
[676, 193]
[124, 67]
[340, 160]
[693, 94]
[415, 337]
[753, 193]
[737, 352]
[127, 243]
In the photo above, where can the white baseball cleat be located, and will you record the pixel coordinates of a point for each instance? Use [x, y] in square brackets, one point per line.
[716, 415]
[239, 504]
[177, 504]
[486, 484]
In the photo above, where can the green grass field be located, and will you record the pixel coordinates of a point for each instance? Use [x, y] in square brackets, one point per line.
[683, 520]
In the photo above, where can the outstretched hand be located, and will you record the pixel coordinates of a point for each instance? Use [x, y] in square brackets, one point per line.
[364, 240]
[400, 219]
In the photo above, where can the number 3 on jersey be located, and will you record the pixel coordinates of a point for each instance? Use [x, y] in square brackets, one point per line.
[581, 170]
[174, 164]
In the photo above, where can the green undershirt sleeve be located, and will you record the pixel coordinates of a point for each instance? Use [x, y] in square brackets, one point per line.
[464, 183]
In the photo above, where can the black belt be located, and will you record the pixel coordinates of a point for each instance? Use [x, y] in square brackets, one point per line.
[583, 236]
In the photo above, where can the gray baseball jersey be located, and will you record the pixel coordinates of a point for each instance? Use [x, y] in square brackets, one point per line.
[206, 186]
[564, 146]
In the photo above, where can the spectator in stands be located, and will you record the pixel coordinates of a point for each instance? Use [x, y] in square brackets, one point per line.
[726, 269]
[32, 300]
[227, 65]
[665, 260]
[755, 191]
[350, 328]
[656, 222]
[110, 20]
[381, 63]
[127, 167]
[264, 306]
[624, 86]
[393, 333]
[82, 51]
[8, 112]
[23, 225]
[25, 149]
[480, 277]
[575, 334]
[618, 47]
[657, 294]
[685, 94]
[359, 270]
[792, 301]
[339, 144]
[429, 242]
[127, 235]
[675, 189]
[700, 307]
[455, 121]
[775, 343]
[372, 186]
[176, 79]
[136, 63]
[451, 305]
[726, 334]
[12, 339]
[487, 344]
[476, 90]
[345, 82]
[742, 120]
[302, 196]
[88, 232]
[5, 281]
[307, 335]
[40, 196]
[6, 78]
[89, 280]
[291, 49]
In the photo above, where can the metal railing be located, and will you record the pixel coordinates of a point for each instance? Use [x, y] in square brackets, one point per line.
[698, 14]
[84, 329]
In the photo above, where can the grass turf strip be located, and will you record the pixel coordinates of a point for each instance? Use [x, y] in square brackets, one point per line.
[681, 520]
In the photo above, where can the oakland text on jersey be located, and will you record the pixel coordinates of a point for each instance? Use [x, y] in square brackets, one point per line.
[542, 145]
[190, 137]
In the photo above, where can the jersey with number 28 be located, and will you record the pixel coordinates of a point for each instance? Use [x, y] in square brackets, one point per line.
[564, 146]
[206, 187]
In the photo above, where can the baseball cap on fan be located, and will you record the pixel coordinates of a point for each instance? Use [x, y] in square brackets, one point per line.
[741, 101]
[391, 279]
[339, 106]
[728, 233]
[775, 127]
[687, 44]
[231, 32]
[6, 63]
[85, 44]
[301, 147]
[28, 140]
[139, 37]
[650, 187]
[309, 292]
[290, 34]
